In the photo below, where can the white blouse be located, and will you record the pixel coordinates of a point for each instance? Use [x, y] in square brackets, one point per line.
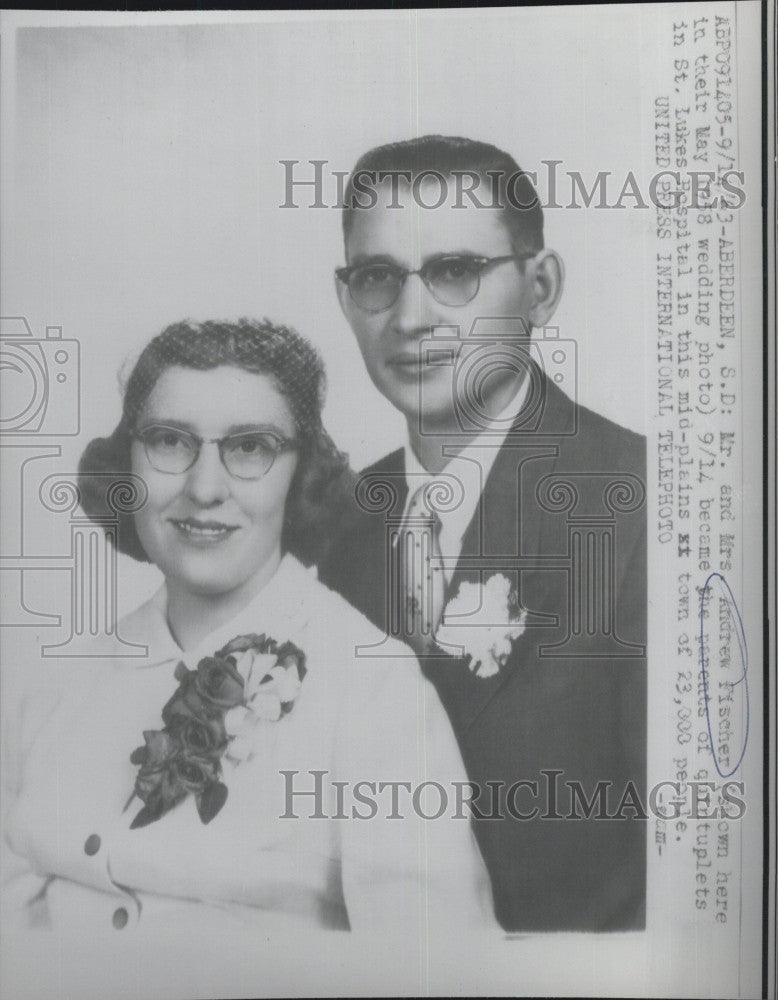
[364, 714]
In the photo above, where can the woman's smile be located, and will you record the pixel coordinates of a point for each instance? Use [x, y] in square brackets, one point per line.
[203, 532]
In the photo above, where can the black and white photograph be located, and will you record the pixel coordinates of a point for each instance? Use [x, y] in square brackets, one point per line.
[383, 547]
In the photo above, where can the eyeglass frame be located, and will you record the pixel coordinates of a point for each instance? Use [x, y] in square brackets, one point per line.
[343, 275]
[285, 444]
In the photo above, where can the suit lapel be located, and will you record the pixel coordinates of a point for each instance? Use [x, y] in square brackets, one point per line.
[508, 521]
[497, 517]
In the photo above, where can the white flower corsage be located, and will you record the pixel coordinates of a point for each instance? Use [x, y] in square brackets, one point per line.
[215, 712]
[271, 684]
[484, 621]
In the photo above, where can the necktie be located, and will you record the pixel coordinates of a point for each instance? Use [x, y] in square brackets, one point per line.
[423, 579]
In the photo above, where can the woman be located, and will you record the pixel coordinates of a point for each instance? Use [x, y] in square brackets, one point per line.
[212, 784]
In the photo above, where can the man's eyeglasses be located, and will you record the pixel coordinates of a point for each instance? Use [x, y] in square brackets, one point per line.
[249, 455]
[453, 280]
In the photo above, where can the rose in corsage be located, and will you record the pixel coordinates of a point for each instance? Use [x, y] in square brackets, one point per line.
[485, 621]
[169, 771]
[213, 711]
[218, 680]
[155, 759]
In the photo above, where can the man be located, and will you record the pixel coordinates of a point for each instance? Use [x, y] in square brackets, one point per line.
[506, 541]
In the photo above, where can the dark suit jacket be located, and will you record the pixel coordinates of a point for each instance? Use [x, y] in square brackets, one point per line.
[562, 514]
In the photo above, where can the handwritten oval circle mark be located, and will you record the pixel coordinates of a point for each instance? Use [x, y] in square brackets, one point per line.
[732, 660]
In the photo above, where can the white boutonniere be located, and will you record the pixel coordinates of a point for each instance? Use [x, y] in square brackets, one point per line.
[484, 621]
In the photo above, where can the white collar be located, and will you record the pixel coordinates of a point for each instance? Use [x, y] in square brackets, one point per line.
[471, 467]
[280, 609]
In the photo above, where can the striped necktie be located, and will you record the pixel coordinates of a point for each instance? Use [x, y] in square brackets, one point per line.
[422, 576]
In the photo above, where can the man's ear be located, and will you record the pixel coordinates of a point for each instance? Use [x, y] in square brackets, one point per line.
[547, 274]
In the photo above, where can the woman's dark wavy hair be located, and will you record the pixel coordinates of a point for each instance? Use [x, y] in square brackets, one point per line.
[322, 481]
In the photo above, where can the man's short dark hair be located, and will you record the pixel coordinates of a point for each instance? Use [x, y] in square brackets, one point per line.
[505, 187]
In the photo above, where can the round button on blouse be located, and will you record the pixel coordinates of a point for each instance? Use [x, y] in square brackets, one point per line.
[92, 845]
[120, 918]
